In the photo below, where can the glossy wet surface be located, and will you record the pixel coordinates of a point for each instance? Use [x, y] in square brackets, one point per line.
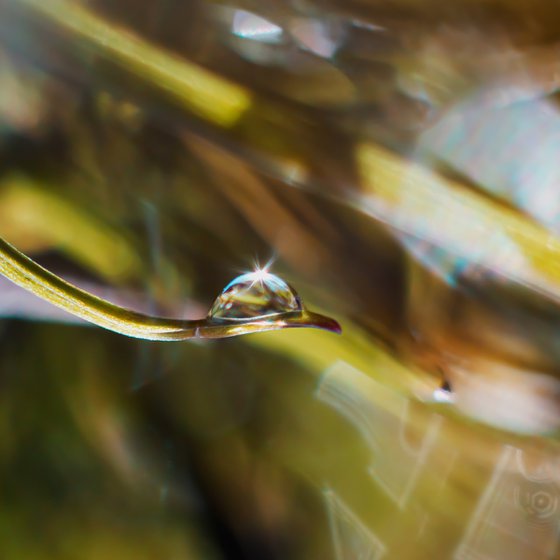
[255, 295]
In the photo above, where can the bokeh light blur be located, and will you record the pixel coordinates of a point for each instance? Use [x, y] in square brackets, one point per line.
[397, 165]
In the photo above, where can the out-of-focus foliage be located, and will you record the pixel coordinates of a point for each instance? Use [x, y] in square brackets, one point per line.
[398, 161]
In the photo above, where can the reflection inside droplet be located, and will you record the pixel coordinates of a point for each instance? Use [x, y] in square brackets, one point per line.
[254, 295]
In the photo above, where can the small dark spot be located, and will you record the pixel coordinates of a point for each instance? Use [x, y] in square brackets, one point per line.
[446, 386]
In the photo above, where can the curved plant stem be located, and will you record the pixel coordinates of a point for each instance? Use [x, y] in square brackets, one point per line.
[29, 275]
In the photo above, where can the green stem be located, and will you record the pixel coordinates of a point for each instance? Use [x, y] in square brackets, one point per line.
[29, 275]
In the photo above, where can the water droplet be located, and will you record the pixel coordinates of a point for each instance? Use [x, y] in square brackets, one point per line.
[255, 295]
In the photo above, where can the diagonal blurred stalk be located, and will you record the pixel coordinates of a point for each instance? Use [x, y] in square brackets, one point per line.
[206, 94]
[468, 226]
